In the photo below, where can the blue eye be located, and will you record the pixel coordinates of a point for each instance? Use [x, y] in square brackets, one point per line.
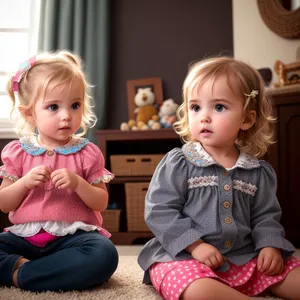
[195, 108]
[219, 107]
[75, 106]
[52, 107]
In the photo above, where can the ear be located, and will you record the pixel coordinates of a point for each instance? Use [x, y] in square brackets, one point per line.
[27, 115]
[249, 120]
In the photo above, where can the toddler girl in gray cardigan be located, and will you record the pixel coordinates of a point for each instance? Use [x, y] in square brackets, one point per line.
[212, 204]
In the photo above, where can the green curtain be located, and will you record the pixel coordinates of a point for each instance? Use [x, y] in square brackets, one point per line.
[83, 27]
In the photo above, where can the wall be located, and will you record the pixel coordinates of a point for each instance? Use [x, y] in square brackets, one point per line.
[155, 38]
[3, 143]
[255, 42]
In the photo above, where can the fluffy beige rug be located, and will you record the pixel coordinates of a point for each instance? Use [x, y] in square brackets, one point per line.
[126, 283]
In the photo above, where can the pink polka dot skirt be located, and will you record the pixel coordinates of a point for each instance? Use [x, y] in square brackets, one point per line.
[171, 278]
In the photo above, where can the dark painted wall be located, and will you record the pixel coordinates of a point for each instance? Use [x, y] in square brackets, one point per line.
[159, 38]
[3, 143]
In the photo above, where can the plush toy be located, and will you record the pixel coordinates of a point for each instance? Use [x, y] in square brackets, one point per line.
[131, 125]
[167, 113]
[144, 100]
[146, 112]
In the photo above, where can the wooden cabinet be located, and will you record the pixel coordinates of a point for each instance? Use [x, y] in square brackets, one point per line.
[285, 157]
[116, 142]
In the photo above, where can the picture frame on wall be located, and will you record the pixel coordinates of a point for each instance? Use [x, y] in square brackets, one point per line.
[155, 83]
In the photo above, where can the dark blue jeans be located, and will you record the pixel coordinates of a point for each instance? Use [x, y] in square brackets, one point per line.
[73, 262]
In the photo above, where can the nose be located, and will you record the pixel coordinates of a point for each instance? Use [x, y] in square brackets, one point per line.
[66, 116]
[205, 118]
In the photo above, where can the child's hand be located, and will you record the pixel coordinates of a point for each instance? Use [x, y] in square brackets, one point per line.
[63, 178]
[208, 255]
[270, 261]
[37, 176]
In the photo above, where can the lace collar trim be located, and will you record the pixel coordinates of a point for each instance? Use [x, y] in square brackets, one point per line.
[196, 154]
[31, 146]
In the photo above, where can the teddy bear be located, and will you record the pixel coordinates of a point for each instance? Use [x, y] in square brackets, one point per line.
[167, 113]
[144, 100]
[146, 112]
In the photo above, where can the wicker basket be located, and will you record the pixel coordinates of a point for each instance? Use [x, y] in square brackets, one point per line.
[134, 165]
[111, 219]
[135, 205]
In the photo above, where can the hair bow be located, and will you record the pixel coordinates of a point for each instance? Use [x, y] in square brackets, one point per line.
[253, 94]
[23, 68]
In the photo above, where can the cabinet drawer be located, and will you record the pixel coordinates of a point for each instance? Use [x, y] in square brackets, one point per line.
[111, 219]
[134, 165]
[135, 206]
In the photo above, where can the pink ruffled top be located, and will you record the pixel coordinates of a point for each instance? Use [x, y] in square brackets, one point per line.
[60, 211]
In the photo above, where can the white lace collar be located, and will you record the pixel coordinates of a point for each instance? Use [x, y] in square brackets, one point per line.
[195, 153]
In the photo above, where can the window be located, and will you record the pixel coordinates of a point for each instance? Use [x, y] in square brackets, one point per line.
[18, 40]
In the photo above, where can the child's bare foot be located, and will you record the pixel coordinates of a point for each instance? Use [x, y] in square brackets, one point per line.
[20, 262]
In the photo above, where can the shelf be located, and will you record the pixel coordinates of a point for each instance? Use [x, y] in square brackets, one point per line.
[119, 180]
[109, 137]
[119, 135]
[130, 238]
[117, 142]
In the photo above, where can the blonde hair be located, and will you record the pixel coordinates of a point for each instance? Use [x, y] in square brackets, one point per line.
[258, 137]
[50, 69]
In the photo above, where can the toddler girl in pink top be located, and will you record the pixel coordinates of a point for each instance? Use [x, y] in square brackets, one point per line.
[53, 182]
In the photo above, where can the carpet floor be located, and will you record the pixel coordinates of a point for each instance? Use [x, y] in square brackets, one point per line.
[126, 283]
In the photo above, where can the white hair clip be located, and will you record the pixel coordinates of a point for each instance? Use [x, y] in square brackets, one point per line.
[253, 94]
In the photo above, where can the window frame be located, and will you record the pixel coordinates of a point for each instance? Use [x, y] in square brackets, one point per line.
[6, 125]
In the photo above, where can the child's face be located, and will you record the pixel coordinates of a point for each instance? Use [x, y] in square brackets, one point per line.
[216, 114]
[59, 114]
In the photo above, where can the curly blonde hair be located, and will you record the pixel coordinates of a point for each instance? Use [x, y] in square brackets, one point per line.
[258, 137]
[50, 69]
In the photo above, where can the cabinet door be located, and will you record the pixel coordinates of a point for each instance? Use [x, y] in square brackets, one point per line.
[4, 222]
[289, 167]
